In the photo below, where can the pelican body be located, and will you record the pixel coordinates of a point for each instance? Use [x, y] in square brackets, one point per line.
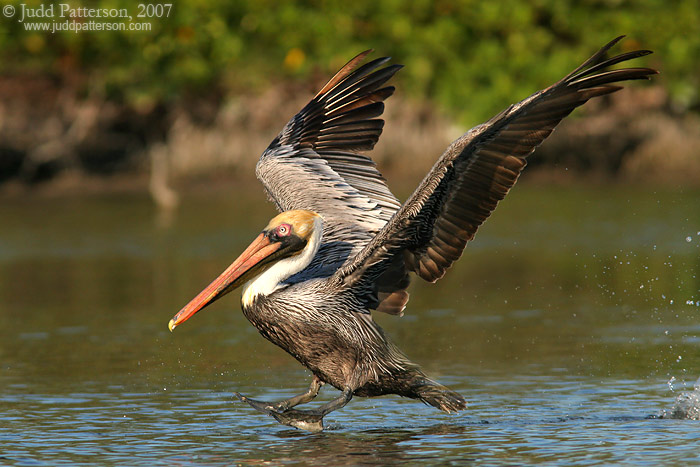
[343, 246]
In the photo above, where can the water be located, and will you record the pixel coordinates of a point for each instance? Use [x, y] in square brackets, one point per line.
[570, 325]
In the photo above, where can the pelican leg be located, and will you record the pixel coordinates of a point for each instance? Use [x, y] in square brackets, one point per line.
[282, 406]
[303, 398]
[310, 420]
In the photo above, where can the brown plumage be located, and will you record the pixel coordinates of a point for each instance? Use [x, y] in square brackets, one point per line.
[344, 245]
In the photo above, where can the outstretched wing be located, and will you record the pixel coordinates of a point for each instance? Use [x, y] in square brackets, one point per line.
[476, 171]
[315, 164]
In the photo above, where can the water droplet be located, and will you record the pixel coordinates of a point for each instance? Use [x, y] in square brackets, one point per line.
[688, 239]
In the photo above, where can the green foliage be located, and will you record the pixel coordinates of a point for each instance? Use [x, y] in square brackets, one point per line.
[472, 57]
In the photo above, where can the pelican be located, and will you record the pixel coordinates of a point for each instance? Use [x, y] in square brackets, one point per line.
[343, 246]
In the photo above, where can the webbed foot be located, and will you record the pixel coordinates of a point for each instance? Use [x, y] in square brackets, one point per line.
[309, 420]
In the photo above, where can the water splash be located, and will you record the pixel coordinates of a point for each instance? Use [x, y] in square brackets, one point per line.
[687, 404]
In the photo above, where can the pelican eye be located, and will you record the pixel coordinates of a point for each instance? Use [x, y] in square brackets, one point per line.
[283, 230]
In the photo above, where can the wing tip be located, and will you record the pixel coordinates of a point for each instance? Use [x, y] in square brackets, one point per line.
[344, 71]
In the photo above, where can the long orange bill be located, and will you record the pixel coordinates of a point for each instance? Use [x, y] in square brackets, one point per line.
[230, 279]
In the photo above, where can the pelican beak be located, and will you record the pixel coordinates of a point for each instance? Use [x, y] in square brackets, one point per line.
[259, 253]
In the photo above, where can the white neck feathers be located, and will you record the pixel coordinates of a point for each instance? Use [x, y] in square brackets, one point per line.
[270, 280]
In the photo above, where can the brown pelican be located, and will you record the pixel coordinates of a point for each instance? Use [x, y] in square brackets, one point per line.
[343, 245]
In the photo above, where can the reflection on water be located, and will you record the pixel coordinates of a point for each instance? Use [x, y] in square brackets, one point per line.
[562, 325]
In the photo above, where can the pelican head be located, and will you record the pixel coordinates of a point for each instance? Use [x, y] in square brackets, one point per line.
[285, 246]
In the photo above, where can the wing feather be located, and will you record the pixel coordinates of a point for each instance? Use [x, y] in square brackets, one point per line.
[315, 164]
[432, 228]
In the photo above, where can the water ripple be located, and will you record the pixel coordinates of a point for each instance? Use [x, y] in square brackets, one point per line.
[523, 423]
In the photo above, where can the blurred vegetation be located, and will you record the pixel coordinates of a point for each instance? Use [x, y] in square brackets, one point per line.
[470, 57]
